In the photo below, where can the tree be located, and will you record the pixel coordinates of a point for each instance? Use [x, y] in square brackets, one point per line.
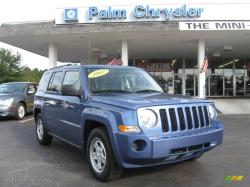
[28, 75]
[10, 65]
[12, 71]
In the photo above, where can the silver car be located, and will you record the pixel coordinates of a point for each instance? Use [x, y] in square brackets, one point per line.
[17, 99]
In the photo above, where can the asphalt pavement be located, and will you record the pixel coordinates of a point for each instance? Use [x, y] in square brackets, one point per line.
[24, 163]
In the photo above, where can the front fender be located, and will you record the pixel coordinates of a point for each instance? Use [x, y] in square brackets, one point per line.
[110, 120]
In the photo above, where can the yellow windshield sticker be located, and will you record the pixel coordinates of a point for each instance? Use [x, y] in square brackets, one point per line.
[98, 73]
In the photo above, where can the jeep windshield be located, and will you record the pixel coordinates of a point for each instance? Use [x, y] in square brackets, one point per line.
[121, 80]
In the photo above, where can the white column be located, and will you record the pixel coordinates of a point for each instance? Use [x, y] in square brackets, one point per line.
[125, 52]
[52, 55]
[184, 76]
[234, 80]
[201, 76]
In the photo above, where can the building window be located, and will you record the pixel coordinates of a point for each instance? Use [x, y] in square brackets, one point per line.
[247, 77]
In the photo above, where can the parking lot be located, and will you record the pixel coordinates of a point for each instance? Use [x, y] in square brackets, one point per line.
[24, 163]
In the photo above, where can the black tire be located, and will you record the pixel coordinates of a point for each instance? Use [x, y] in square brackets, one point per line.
[196, 157]
[18, 115]
[44, 138]
[111, 170]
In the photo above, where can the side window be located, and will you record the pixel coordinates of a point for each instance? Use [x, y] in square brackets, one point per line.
[72, 78]
[55, 82]
[44, 82]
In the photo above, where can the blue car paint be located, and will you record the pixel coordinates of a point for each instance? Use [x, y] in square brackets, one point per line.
[114, 109]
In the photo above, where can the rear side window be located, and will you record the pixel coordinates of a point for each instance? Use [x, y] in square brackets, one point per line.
[44, 82]
[55, 82]
[73, 78]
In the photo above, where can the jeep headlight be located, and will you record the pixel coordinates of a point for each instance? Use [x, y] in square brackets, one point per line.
[6, 102]
[212, 112]
[147, 118]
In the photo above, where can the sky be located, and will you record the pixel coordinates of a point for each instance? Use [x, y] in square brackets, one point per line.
[36, 10]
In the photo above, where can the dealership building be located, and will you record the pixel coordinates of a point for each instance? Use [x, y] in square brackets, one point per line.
[172, 41]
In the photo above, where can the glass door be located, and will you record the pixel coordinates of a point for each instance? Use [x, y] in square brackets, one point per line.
[240, 90]
[228, 91]
[167, 79]
[247, 82]
[247, 77]
[229, 79]
[239, 74]
[177, 83]
[216, 85]
[190, 85]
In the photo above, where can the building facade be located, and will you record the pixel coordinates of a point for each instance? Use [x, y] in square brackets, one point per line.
[172, 41]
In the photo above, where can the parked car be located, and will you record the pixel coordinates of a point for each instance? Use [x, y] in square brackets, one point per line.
[122, 118]
[17, 99]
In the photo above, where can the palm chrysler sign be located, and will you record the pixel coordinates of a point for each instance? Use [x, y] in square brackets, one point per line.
[160, 13]
[128, 14]
[141, 11]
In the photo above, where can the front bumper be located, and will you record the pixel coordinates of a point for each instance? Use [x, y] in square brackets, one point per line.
[7, 111]
[166, 149]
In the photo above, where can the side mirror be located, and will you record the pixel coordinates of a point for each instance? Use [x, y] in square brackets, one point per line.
[30, 92]
[69, 90]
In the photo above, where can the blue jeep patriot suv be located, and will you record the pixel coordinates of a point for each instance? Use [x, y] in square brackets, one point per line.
[122, 118]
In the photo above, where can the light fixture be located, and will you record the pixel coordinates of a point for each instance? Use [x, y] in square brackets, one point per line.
[144, 61]
[216, 54]
[95, 50]
[103, 56]
[227, 48]
[232, 61]
[173, 62]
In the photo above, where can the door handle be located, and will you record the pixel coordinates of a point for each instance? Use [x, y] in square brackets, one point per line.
[66, 105]
[50, 102]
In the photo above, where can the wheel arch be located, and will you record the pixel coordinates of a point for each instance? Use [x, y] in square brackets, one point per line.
[36, 111]
[22, 102]
[92, 121]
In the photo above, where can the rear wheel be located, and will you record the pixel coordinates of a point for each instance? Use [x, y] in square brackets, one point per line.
[100, 156]
[42, 136]
[20, 111]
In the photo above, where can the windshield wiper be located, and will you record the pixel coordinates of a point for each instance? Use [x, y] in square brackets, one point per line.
[110, 91]
[147, 91]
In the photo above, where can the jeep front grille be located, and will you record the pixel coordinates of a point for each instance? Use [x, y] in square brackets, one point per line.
[184, 118]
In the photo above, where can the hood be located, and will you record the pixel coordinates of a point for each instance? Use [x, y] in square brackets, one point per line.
[135, 101]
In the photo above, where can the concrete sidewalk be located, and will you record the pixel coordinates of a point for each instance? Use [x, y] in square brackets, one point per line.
[232, 105]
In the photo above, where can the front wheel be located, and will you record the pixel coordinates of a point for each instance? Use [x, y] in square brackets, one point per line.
[20, 111]
[42, 136]
[100, 156]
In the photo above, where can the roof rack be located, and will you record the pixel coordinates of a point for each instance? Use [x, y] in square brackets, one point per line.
[61, 66]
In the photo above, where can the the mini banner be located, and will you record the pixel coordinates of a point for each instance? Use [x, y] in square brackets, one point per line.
[214, 25]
